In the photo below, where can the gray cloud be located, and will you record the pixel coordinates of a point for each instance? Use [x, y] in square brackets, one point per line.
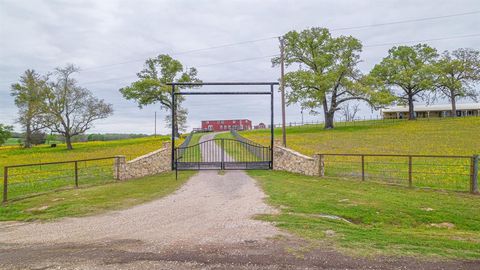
[94, 34]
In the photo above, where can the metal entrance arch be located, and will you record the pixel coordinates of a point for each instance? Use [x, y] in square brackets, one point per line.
[223, 163]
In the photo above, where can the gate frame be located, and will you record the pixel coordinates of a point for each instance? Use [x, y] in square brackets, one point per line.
[174, 105]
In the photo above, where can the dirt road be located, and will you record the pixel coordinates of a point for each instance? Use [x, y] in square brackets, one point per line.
[207, 224]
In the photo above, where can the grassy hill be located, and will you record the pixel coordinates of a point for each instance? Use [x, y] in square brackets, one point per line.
[458, 136]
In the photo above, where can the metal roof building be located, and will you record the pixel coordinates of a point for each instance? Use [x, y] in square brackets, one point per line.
[438, 110]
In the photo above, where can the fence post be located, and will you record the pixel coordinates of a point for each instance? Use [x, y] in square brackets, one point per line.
[363, 167]
[5, 183]
[76, 174]
[410, 183]
[117, 169]
[474, 174]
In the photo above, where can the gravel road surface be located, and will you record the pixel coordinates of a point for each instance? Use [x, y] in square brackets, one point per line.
[206, 224]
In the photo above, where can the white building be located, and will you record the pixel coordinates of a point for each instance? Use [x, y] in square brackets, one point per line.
[427, 111]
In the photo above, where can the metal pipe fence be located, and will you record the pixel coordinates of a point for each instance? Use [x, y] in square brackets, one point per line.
[254, 148]
[372, 121]
[459, 173]
[26, 180]
[185, 144]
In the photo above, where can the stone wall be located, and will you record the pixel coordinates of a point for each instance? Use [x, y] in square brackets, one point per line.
[285, 159]
[152, 163]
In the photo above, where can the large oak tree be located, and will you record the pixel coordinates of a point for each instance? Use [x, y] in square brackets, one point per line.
[326, 72]
[151, 86]
[70, 109]
[408, 73]
[458, 74]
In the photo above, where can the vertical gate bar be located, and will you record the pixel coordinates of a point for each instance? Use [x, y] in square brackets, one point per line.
[76, 174]
[271, 126]
[173, 125]
[410, 183]
[222, 165]
[5, 183]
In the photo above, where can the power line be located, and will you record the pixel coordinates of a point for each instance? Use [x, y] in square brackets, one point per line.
[206, 65]
[239, 60]
[275, 55]
[269, 38]
[187, 52]
[419, 41]
[406, 21]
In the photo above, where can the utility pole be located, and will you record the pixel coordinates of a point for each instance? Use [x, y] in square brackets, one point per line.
[155, 124]
[282, 88]
[302, 115]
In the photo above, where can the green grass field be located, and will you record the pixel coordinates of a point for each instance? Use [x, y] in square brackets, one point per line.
[236, 149]
[37, 179]
[459, 136]
[93, 199]
[12, 142]
[193, 152]
[373, 219]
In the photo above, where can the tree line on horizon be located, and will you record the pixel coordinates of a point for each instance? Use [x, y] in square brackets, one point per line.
[324, 76]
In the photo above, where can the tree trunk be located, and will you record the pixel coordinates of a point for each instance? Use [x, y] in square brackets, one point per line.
[68, 141]
[28, 137]
[327, 114]
[329, 120]
[454, 105]
[411, 109]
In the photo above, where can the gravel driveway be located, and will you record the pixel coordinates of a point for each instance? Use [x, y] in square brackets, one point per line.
[207, 224]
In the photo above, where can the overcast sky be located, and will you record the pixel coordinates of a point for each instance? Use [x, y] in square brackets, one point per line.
[110, 40]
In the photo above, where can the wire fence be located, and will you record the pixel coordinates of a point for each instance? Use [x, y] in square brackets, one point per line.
[363, 121]
[21, 181]
[459, 173]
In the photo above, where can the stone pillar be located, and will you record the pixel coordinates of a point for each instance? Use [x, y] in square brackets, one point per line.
[319, 165]
[119, 168]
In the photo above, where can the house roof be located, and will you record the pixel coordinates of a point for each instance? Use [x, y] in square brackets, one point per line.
[436, 107]
[226, 120]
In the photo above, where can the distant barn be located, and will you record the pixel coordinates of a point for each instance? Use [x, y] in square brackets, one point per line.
[225, 125]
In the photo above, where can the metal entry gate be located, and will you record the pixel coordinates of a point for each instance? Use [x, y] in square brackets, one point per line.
[223, 154]
[235, 154]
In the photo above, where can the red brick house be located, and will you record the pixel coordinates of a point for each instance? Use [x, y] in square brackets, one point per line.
[224, 125]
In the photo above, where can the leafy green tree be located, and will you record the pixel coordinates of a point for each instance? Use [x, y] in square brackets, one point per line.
[327, 74]
[5, 133]
[458, 74]
[70, 110]
[51, 138]
[151, 86]
[29, 96]
[408, 73]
